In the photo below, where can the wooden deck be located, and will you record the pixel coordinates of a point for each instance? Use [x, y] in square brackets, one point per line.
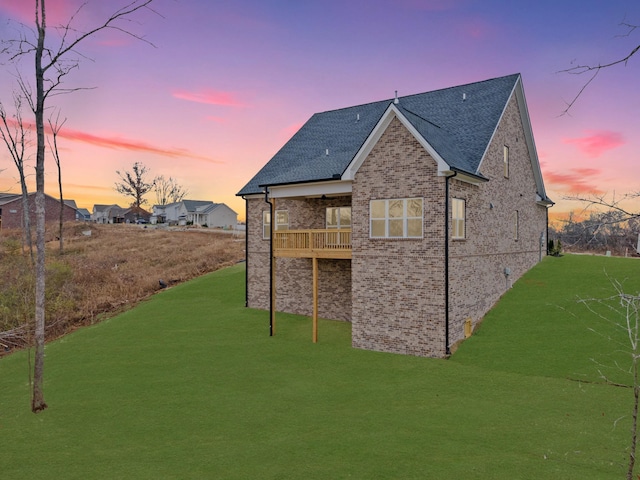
[327, 243]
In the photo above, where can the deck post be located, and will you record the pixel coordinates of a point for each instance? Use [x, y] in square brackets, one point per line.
[314, 262]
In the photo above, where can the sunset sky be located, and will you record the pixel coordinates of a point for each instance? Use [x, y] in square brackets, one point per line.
[227, 83]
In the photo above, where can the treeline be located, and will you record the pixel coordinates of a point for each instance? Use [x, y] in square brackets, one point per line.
[610, 231]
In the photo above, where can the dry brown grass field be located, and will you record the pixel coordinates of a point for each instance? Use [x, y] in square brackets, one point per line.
[103, 270]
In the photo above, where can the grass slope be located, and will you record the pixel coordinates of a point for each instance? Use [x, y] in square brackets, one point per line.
[190, 385]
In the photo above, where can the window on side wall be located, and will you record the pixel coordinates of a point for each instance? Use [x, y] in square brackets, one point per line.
[282, 222]
[396, 218]
[505, 155]
[338, 217]
[516, 225]
[458, 213]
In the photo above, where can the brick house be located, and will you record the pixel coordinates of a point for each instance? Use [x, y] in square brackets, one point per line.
[407, 217]
[11, 210]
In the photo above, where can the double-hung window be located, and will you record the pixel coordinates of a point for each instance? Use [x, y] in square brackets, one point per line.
[396, 218]
[282, 222]
[458, 218]
[338, 217]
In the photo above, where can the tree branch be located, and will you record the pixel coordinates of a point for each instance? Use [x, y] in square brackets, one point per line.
[595, 69]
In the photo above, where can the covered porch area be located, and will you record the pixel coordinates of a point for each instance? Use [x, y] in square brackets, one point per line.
[314, 244]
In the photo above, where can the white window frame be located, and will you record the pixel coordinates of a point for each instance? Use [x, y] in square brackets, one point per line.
[280, 225]
[338, 216]
[505, 155]
[458, 218]
[405, 218]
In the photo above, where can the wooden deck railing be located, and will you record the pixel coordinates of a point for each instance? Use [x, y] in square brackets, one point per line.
[327, 243]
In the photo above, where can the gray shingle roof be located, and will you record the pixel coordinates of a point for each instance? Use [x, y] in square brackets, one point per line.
[458, 129]
[195, 205]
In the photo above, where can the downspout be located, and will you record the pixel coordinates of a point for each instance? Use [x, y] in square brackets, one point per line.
[446, 264]
[271, 305]
[547, 238]
[246, 252]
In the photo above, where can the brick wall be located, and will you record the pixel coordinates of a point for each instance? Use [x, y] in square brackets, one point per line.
[12, 212]
[398, 284]
[477, 263]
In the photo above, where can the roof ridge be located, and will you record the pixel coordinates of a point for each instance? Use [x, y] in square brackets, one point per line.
[443, 89]
[391, 100]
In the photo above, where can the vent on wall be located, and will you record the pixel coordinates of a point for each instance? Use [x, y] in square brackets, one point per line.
[468, 328]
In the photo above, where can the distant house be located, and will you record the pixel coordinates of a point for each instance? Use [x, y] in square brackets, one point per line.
[11, 210]
[108, 214]
[408, 217]
[136, 215]
[82, 214]
[195, 212]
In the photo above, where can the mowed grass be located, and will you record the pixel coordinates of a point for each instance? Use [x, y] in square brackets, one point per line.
[189, 385]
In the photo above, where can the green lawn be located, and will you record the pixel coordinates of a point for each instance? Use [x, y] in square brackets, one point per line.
[190, 385]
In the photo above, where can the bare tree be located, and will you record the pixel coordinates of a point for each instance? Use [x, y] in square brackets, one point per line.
[135, 184]
[612, 202]
[52, 64]
[53, 147]
[598, 230]
[623, 312]
[594, 69]
[15, 137]
[168, 190]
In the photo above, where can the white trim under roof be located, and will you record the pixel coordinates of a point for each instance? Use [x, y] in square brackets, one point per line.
[386, 119]
[315, 189]
[464, 177]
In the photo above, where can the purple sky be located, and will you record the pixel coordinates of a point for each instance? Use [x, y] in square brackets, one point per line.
[229, 82]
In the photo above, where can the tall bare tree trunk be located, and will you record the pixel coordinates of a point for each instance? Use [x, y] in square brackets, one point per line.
[53, 146]
[61, 209]
[53, 61]
[37, 399]
[15, 141]
[634, 418]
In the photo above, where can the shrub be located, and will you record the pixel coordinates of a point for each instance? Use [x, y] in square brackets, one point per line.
[555, 248]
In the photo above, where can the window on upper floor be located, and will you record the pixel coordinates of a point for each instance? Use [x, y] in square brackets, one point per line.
[396, 218]
[458, 213]
[282, 222]
[516, 225]
[505, 155]
[338, 217]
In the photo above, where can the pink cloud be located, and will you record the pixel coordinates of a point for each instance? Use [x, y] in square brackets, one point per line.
[58, 11]
[210, 97]
[128, 144]
[119, 143]
[596, 142]
[575, 180]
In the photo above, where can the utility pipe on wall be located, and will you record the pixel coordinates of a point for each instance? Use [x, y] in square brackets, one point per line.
[246, 252]
[271, 286]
